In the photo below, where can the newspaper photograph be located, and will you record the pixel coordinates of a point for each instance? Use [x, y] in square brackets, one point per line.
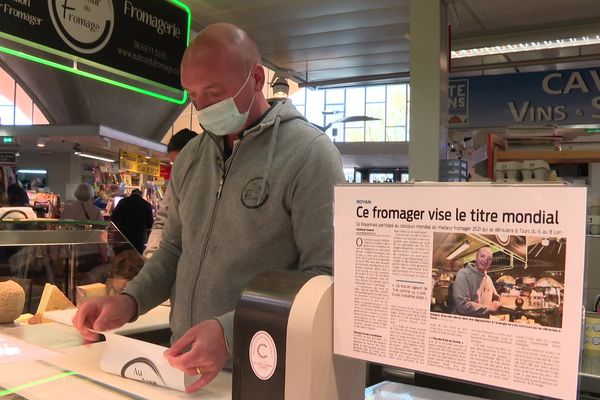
[523, 277]
[479, 283]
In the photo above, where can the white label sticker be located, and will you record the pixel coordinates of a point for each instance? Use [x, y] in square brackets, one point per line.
[263, 355]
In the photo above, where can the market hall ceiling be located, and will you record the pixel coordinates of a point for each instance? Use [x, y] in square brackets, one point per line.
[320, 43]
[324, 42]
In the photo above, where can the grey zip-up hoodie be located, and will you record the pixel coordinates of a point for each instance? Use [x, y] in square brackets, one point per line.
[267, 207]
[464, 292]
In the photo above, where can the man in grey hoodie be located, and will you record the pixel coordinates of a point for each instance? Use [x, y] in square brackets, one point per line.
[473, 290]
[254, 193]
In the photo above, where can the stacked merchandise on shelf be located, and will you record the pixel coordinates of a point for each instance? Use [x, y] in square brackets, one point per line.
[453, 171]
[153, 193]
[111, 185]
[45, 205]
[105, 179]
[141, 171]
[529, 171]
[594, 216]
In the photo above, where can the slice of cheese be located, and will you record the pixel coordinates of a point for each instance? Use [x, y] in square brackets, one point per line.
[23, 318]
[38, 319]
[85, 292]
[53, 299]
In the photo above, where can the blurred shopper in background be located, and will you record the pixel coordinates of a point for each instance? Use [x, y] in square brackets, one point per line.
[17, 196]
[133, 217]
[176, 144]
[89, 256]
[83, 208]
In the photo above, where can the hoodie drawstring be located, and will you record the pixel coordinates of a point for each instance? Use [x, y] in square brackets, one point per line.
[269, 162]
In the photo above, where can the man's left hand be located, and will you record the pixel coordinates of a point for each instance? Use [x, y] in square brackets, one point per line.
[207, 354]
[494, 306]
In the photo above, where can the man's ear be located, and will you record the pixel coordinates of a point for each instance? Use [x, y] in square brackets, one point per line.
[258, 74]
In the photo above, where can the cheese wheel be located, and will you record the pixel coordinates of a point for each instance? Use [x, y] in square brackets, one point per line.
[12, 300]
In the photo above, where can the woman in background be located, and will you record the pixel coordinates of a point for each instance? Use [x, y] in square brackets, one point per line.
[83, 208]
[89, 256]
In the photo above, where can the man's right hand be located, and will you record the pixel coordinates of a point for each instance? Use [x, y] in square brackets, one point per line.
[104, 313]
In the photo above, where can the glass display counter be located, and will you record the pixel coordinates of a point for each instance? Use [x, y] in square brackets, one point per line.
[49, 359]
[66, 254]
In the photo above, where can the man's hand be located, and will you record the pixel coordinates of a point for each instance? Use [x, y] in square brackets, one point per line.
[494, 306]
[104, 313]
[206, 356]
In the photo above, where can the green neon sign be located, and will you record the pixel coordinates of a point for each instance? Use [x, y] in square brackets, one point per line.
[51, 37]
[94, 76]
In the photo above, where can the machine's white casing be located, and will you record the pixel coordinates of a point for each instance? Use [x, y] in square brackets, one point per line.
[312, 370]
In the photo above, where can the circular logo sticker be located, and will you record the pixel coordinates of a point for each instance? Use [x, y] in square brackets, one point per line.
[263, 355]
[85, 25]
[251, 192]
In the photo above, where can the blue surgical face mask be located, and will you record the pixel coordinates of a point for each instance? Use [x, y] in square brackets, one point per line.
[223, 117]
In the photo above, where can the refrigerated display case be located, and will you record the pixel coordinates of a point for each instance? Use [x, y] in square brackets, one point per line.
[66, 254]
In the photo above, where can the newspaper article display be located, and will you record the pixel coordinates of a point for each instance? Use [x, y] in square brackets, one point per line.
[477, 283]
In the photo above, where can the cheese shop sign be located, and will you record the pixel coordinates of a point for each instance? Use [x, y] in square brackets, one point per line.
[139, 163]
[137, 39]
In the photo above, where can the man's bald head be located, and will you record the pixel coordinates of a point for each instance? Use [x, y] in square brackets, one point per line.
[483, 259]
[223, 62]
[224, 40]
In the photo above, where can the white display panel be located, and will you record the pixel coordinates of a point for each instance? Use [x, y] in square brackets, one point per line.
[397, 246]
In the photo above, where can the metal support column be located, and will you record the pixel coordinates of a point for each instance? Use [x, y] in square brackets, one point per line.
[428, 88]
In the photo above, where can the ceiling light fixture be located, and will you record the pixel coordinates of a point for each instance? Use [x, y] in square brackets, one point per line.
[95, 157]
[78, 152]
[503, 238]
[539, 251]
[561, 241]
[527, 46]
[77, 149]
[31, 171]
[280, 86]
[41, 142]
[532, 248]
[545, 242]
[352, 118]
[464, 246]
